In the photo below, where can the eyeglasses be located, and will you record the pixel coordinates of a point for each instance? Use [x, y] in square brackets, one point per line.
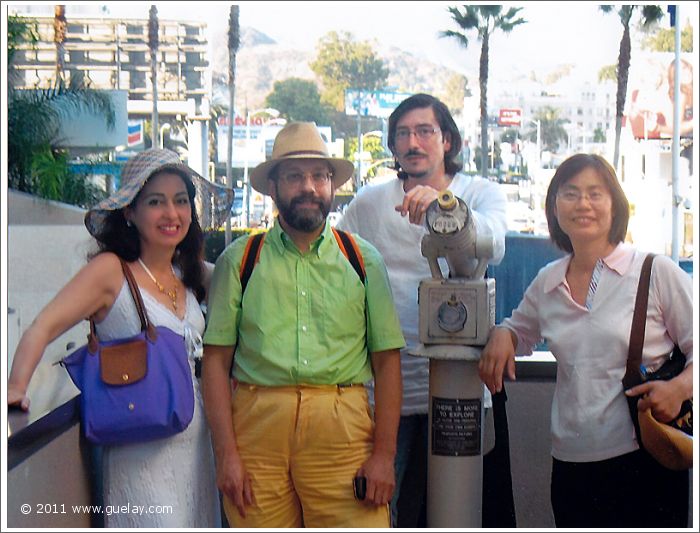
[319, 177]
[574, 197]
[421, 132]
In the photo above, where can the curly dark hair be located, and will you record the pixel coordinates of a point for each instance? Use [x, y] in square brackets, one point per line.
[447, 126]
[620, 206]
[116, 237]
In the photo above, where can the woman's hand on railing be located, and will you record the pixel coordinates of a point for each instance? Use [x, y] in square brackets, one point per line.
[17, 397]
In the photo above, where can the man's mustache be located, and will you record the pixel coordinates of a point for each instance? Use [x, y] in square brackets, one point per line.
[412, 152]
[305, 198]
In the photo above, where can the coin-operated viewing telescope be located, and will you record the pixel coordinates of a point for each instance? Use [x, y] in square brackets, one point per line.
[456, 314]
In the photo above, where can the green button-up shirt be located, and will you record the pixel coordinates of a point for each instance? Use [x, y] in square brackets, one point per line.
[304, 318]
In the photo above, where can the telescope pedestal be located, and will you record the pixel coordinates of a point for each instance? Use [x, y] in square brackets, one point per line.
[455, 442]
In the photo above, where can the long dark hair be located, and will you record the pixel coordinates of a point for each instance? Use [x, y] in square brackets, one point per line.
[620, 206]
[447, 126]
[116, 237]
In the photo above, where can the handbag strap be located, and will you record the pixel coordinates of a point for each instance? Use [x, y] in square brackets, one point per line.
[135, 294]
[639, 321]
[634, 355]
[151, 333]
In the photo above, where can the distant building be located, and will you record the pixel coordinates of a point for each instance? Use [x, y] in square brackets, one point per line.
[108, 53]
[587, 107]
[101, 52]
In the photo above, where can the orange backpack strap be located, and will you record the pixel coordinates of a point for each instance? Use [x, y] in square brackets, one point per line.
[349, 247]
[251, 255]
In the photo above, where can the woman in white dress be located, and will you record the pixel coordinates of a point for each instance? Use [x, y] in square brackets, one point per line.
[150, 223]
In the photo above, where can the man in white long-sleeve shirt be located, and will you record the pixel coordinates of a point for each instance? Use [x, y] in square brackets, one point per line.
[426, 143]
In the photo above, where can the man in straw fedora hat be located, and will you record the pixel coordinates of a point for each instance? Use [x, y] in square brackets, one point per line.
[311, 323]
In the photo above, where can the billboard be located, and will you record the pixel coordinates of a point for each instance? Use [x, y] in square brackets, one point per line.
[248, 143]
[649, 112]
[372, 103]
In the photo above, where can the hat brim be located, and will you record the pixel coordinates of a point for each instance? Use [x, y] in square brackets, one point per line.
[124, 196]
[342, 170]
[669, 446]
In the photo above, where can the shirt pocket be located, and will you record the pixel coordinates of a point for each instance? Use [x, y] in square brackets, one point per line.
[344, 310]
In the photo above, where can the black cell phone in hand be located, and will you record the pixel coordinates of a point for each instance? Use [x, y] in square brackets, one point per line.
[359, 484]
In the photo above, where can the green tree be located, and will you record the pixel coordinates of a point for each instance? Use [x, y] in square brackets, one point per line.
[56, 182]
[371, 144]
[33, 124]
[485, 20]
[664, 40]
[509, 136]
[649, 15]
[599, 135]
[342, 63]
[454, 92]
[552, 130]
[20, 32]
[299, 100]
[607, 73]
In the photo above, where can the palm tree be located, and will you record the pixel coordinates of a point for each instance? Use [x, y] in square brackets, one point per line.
[153, 47]
[649, 15]
[21, 32]
[551, 128]
[59, 38]
[485, 20]
[33, 123]
[234, 41]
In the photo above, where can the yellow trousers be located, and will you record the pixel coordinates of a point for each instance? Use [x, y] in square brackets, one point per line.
[302, 446]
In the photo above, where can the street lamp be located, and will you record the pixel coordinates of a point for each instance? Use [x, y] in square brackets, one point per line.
[273, 113]
[163, 128]
[539, 147]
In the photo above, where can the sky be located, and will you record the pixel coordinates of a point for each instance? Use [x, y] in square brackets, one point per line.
[555, 33]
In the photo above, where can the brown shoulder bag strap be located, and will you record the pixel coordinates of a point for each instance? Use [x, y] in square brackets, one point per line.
[140, 307]
[639, 322]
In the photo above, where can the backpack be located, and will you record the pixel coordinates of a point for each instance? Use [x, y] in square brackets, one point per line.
[345, 240]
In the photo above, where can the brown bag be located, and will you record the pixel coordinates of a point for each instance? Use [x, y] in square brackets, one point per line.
[665, 442]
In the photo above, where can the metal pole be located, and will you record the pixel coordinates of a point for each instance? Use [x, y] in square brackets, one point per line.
[455, 442]
[539, 145]
[675, 151]
[245, 170]
[229, 147]
[358, 183]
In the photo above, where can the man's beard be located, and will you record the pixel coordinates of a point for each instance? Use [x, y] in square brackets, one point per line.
[303, 219]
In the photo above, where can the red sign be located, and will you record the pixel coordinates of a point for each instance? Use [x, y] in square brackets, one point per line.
[509, 117]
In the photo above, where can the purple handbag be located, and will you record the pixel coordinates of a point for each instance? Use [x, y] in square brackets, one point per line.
[134, 389]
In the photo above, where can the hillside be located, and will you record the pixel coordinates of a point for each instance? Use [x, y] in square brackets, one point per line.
[261, 61]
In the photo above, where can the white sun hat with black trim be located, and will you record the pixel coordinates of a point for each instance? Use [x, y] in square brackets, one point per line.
[300, 140]
[134, 175]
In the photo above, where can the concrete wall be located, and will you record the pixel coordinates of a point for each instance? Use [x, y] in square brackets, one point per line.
[51, 487]
[529, 406]
[46, 246]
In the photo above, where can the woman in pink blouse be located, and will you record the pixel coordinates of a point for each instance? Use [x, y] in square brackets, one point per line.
[582, 305]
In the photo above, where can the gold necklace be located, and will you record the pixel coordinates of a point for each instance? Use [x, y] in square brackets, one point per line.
[170, 293]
